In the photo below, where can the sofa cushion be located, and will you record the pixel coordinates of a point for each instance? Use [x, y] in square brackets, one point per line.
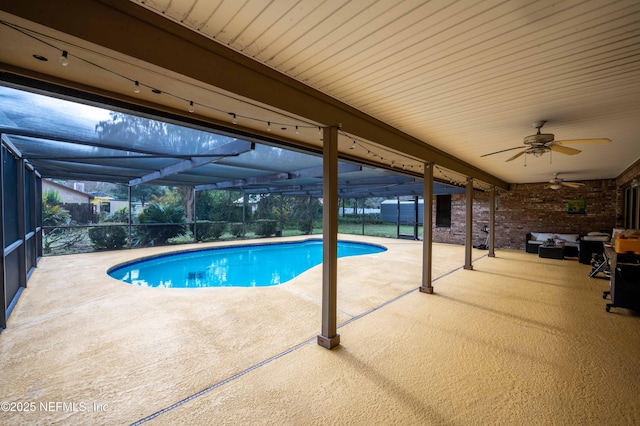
[596, 237]
[542, 236]
[570, 238]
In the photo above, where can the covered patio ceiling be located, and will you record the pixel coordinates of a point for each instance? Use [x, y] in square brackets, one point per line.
[68, 140]
[438, 81]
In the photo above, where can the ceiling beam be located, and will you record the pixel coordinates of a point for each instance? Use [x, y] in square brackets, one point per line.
[130, 29]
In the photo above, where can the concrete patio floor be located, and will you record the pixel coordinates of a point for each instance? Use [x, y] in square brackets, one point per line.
[518, 340]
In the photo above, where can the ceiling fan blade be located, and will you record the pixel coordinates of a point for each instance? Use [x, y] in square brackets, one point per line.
[583, 141]
[564, 149]
[504, 150]
[572, 184]
[516, 156]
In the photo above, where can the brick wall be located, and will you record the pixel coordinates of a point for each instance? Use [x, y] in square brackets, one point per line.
[531, 208]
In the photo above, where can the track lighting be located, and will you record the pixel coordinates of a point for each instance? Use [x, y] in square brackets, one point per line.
[64, 58]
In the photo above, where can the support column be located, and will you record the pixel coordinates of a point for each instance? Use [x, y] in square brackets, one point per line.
[468, 244]
[492, 221]
[416, 216]
[244, 212]
[130, 242]
[398, 217]
[329, 337]
[195, 215]
[363, 215]
[427, 228]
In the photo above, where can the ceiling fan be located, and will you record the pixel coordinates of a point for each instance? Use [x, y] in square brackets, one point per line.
[540, 143]
[557, 183]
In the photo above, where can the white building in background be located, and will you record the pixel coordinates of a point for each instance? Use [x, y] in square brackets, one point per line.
[115, 205]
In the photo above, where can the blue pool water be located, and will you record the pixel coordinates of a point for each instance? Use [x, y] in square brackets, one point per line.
[240, 266]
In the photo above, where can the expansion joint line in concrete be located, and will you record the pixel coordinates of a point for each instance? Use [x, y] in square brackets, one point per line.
[280, 355]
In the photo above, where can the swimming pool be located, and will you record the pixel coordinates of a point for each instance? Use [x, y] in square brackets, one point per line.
[255, 265]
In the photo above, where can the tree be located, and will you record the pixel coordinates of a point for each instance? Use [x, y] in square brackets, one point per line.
[218, 205]
[51, 197]
[54, 215]
[167, 139]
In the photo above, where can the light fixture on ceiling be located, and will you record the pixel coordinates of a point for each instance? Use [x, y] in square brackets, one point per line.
[64, 58]
[191, 107]
[136, 87]
[268, 126]
[537, 151]
[555, 186]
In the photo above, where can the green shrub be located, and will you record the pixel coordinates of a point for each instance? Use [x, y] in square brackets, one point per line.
[108, 237]
[171, 218]
[266, 227]
[207, 230]
[119, 216]
[54, 215]
[237, 229]
[305, 226]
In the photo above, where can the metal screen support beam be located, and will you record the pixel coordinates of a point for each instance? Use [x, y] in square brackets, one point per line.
[130, 216]
[219, 153]
[4, 303]
[427, 229]
[468, 243]
[492, 221]
[398, 217]
[329, 337]
[195, 215]
[416, 217]
[362, 215]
